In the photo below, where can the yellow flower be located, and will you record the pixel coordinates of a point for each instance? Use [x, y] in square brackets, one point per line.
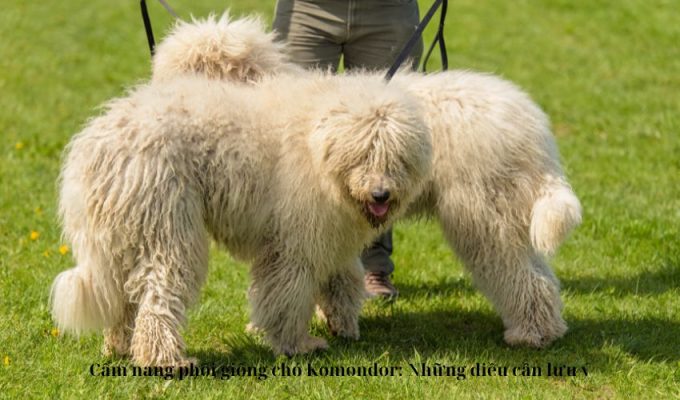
[19, 146]
[46, 253]
[63, 249]
[35, 235]
[6, 360]
[54, 332]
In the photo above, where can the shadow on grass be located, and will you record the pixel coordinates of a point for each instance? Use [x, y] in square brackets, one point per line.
[432, 332]
[389, 329]
[444, 287]
[236, 349]
[665, 279]
[469, 337]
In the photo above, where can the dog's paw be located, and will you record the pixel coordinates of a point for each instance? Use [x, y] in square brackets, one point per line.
[173, 364]
[345, 329]
[312, 343]
[186, 362]
[116, 342]
[534, 337]
[305, 345]
[114, 349]
[518, 337]
[343, 326]
[253, 329]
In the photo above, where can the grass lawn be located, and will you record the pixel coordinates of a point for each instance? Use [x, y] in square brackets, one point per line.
[606, 71]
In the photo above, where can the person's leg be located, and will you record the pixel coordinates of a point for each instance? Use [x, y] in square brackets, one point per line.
[313, 31]
[378, 267]
[379, 32]
[376, 36]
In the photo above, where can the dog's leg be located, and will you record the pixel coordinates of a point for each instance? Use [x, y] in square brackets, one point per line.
[156, 340]
[533, 314]
[117, 338]
[526, 294]
[340, 300]
[282, 299]
[166, 284]
[503, 265]
[167, 277]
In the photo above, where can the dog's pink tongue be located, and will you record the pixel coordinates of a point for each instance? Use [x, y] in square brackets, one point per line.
[378, 209]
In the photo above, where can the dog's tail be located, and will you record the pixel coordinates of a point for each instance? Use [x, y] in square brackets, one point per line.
[555, 213]
[81, 302]
[238, 50]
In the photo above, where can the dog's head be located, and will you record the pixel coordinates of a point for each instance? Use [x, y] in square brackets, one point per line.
[375, 148]
[222, 49]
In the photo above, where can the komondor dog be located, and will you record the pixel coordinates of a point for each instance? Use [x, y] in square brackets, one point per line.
[496, 184]
[295, 174]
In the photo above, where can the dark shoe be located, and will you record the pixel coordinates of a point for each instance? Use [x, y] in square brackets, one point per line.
[378, 284]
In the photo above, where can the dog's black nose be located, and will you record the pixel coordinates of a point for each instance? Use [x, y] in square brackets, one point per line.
[381, 196]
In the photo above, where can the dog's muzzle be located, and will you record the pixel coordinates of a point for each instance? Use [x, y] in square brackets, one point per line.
[378, 209]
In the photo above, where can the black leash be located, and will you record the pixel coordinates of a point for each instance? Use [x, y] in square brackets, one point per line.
[147, 22]
[439, 38]
[147, 27]
[406, 51]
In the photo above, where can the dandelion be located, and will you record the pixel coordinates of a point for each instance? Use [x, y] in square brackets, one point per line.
[35, 235]
[19, 146]
[6, 361]
[63, 249]
[54, 332]
[46, 253]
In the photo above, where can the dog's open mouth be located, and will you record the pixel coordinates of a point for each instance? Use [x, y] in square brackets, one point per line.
[376, 213]
[378, 210]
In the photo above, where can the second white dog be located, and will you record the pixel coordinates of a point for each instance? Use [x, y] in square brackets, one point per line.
[496, 185]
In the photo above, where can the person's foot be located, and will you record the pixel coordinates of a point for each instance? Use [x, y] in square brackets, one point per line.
[378, 284]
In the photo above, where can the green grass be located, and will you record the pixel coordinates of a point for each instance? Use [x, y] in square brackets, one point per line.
[608, 74]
